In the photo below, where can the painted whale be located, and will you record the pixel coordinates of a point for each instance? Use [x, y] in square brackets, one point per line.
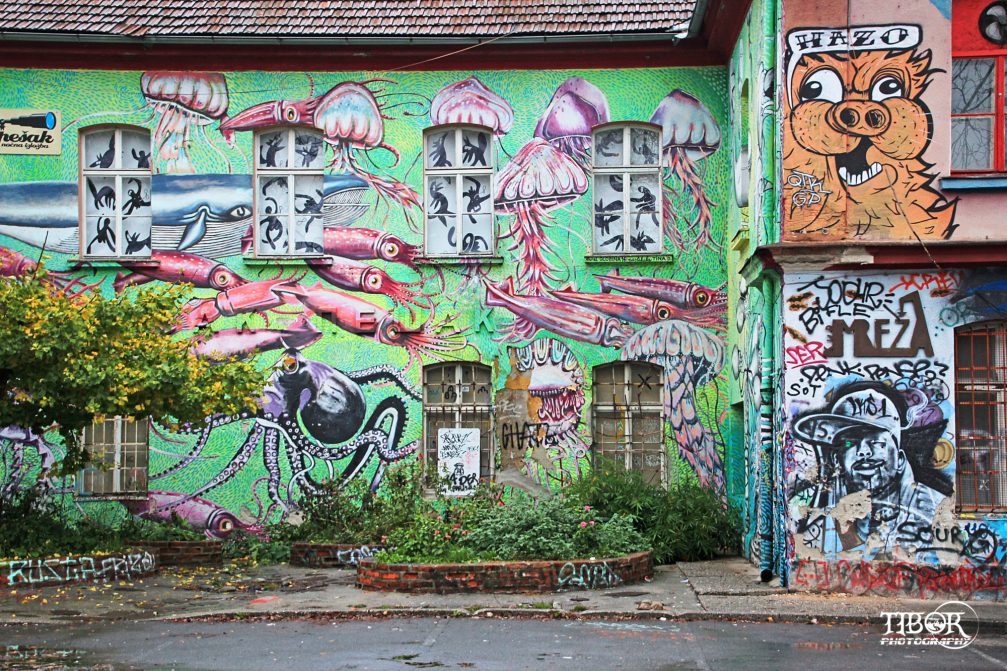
[202, 214]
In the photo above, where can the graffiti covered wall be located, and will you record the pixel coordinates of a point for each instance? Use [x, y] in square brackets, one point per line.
[872, 447]
[344, 341]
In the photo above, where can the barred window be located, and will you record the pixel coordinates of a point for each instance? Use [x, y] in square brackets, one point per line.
[118, 466]
[458, 396]
[627, 189]
[289, 190]
[115, 193]
[981, 402]
[628, 421]
[458, 191]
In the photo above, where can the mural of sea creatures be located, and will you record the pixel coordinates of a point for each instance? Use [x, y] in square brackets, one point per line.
[560, 317]
[242, 343]
[636, 309]
[206, 516]
[469, 102]
[182, 100]
[351, 118]
[16, 264]
[203, 214]
[540, 178]
[312, 412]
[353, 275]
[701, 305]
[258, 297]
[178, 268]
[361, 317]
[12, 457]
[691, 358]
[365, 244]
[575, 109]
[690, 134]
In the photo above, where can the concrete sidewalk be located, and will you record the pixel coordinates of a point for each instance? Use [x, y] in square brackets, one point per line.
[723, 589]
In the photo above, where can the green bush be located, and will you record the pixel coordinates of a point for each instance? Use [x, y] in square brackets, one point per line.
[34, 524]
[270, 547]
[685, 523]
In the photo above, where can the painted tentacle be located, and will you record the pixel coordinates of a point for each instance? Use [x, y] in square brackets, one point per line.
[534, 272]
[292, 433]
[237, 462]
[698, 230]
[384, 372]
[186, 459]
[12, 471]
[271, 459]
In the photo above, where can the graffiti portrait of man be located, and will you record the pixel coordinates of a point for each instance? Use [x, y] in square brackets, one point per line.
[860, 434]
[855, 130]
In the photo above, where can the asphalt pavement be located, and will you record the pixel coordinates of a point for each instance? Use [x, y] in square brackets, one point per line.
[726, 589]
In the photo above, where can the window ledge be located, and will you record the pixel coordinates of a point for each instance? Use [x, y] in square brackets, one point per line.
[624, 258]
[458, 260]
[997, 182]
[284, 260]
[114, 262]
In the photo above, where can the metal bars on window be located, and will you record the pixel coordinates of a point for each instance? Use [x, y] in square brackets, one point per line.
[458, 191]
[115, 192]
[458, 395]
[981, 416]
[118, 465]
[289, 192]
[628, 421]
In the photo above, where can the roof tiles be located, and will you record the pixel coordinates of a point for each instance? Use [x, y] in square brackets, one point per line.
[343, 18]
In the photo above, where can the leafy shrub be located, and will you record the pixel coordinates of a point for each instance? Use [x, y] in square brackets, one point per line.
[176, 529]
[271, 547]
[686, 522]
[34, 524]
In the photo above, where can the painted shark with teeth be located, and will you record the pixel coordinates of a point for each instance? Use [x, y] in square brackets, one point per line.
[201, 214]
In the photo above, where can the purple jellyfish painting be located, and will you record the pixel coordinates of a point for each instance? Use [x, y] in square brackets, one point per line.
[182, 100]
[690, 134]
[576, 107]
[469, 102]
[540, 178]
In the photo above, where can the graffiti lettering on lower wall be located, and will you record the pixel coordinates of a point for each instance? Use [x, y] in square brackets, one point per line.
[588, 576]
[901, 578]
[343, 340]
[37, 572]
[872, 432]
[856, 127]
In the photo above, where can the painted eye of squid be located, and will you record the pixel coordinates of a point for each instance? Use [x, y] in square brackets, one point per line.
[886, 87]
[822, 85]
[373, 282]
[289, 364]
[391, 250]
[223, 279]
[663, 313]
[239, 212]
[226, 525]
[290, 114]
[702, 298]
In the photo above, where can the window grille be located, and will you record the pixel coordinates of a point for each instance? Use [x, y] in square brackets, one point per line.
[458, 395]
[289, 191]
[118, 465]
[115, 194]
[458, 191]
[627, 189]
[981, 401]
[628, 421]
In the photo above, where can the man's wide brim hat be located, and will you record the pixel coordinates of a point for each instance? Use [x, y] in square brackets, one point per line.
[863, 408]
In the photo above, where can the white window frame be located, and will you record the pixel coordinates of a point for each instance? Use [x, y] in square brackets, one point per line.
[625, 171]
[291, 173]
[121, 450]
[459, 172]
[121, 175]
[458, 409]
[630, 411]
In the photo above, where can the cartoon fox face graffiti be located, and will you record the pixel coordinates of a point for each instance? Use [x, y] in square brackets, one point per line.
[854, 137]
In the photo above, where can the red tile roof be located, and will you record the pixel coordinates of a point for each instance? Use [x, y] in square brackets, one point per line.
[344, 18]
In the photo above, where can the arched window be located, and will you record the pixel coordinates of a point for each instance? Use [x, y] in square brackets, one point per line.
[289, 189]
[114, 192]
[627, 419]
[981, 416]
[458, 191]
[627, 189]
[457, 402]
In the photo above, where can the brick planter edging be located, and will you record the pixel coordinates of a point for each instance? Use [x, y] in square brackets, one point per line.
[507, 577]
[185, 553]
[331, 555]
[127, 565]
